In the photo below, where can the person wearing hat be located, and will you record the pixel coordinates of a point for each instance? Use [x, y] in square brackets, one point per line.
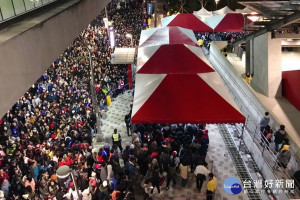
[116, 138]
[104, 192]
[174, 162]
[279, 137]
[93, 188]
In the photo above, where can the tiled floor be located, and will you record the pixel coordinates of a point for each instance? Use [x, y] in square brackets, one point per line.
[218, 157]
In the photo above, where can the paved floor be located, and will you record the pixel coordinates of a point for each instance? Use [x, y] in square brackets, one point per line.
[218, 158]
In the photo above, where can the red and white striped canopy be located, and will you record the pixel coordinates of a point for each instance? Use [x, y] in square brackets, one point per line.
[172, 59]
[183, 98]
[186, 20]
[167, 35]
[230, 22]
[175, 83]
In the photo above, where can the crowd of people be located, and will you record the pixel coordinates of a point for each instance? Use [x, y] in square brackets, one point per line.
[158, 152]
[281, 142]
[205, 38]
[53, 123]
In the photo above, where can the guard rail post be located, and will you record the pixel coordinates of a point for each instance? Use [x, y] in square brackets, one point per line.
[94, 98]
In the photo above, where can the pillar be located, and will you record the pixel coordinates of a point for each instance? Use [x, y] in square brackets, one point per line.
[265, 55]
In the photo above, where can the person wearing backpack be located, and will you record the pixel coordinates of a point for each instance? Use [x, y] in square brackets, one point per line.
[279, 136]
[172, 169]
[266, 136]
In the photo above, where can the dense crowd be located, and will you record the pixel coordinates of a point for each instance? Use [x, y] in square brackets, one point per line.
[54, 122]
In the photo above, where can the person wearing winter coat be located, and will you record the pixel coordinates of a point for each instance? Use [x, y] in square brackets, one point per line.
[147, 185]
[5, 187]
[86, 195]
[284, 157]
[266, 136]
[174, 162]
[165, 160]
[279, 136]
[43, 185]
[264, 122]
[130, 168]
[184, 170]
[103, 173]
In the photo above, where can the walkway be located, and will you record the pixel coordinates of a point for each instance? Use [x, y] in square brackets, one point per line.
[218, 157]
[252, 109]
[280, 109]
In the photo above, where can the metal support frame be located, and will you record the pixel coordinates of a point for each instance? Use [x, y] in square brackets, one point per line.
[155, 13]
[272, 26]
[1, 14]
[93, 93]
[75, 184]
[13, 5]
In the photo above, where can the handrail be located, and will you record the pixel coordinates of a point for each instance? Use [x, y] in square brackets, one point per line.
[273, 156]
[13, 13]
[241, 90]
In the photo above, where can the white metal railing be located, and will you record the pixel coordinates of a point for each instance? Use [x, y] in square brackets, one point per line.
[254, 110]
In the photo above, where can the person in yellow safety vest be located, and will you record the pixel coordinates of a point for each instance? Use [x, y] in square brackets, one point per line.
[108, 100]
[211, 186]
[200, 42]
[116, 138]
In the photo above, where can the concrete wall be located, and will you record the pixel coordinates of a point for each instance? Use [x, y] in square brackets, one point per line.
[291, 87]
[265, 59]
[26, 56]
[221, 44]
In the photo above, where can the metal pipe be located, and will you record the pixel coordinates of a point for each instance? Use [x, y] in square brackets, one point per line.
[1, 14]
[93, 93]
[106, 13]
[24, 5]
[75, 184]
[13, 5]
[155, 14]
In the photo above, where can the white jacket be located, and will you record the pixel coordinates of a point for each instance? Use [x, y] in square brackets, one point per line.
[86, 195]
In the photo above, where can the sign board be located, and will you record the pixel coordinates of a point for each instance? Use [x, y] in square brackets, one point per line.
[111, 35]
[149, 8]
[106, 22]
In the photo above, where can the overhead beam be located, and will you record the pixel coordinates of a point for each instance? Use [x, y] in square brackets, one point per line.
[273, 26]
[287, 35]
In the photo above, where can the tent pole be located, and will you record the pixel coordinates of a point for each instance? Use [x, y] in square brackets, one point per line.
[155, 13]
